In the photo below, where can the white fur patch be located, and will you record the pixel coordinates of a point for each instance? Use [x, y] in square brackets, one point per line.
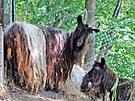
[89, 84]
[77, 75]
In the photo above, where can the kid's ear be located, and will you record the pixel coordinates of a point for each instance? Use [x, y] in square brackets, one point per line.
[79, 19]
[102, 61]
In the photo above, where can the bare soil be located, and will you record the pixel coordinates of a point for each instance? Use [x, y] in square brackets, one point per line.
[41, 96]
[66, 93]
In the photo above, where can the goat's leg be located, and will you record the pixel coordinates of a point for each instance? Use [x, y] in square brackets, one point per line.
[47, 85]
[50, 71]
[11, 68]
[57, 79]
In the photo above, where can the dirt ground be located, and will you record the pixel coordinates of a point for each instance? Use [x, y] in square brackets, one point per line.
[67, 93]
[41, 96]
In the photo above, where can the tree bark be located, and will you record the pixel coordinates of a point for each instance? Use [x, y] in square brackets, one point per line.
[1, 64]
[2, 12]
[1, 56]
[89, 19]
[117, 9]
[7, 13]
[1, 49]
[3, 19]
[90, 12]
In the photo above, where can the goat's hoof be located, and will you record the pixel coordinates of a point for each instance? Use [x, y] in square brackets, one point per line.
[47, 88]
[55, 89]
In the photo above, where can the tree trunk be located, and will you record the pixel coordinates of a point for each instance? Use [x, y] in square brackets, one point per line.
[7, 13]
[1, 65]
[1, 48]
[90, 12]
[4, 21]
[89, 19]
[2, 12]
[1, 56]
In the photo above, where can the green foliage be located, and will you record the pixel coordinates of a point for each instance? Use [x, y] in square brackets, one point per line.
[50, 13]
[122, 56]
[62, 14]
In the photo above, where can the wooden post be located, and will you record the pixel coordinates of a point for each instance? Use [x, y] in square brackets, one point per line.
[1, 64]
[1, 56]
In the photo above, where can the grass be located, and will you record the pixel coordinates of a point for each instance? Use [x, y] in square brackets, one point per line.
[72, 93]
[3, 92]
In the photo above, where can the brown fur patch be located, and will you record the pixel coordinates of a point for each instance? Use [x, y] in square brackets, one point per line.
[24, 55]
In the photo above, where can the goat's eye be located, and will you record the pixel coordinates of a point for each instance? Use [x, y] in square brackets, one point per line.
[87, 76]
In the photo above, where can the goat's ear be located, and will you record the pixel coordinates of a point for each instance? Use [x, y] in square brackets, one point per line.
[96, 30]
[102, 61]
[79, 19]
[86, 25]
[91, 30]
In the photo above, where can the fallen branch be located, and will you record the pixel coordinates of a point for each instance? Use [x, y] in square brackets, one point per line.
[109, 46]
[104, 51]
[117, 8]
[58, 22]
